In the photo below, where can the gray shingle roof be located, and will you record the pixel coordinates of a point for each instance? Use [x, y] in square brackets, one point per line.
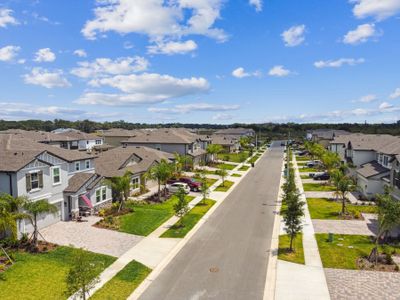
[165, 136]
[225, 140]
[117, 161]
[372, 169]
[77, 181]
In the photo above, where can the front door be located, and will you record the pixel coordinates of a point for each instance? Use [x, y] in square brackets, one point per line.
[69, 207]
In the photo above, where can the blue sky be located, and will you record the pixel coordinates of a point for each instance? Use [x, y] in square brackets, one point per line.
[200, 61]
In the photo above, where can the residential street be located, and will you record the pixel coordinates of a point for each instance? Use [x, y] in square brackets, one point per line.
[227, 257]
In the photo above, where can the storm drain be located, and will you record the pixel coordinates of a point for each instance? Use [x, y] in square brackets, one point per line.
[214, 269]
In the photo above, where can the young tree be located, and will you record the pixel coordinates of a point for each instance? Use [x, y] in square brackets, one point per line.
[83, 274]
[292, 215]
[344, 186]
[222, 173]
[33, 210]
[160, 172]
[205, 188]
[181, 207]
[121, 185]
[182, 162]
[242, 157]
[330, 160]
[213, 150]
[388, 219]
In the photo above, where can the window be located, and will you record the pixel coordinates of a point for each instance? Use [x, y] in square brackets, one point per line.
[56, 175]
[104, 193]
[135, 183]
[34, 180]
[77, 166]
[87, 164]
[98, 142]
[385, 160]
[98, 195]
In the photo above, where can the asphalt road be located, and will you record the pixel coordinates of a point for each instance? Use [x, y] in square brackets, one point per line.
[227, 258]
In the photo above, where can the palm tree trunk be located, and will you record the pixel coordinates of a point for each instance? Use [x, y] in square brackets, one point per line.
[159, 191]
[343, 205]
[35, 231]
[291, 243]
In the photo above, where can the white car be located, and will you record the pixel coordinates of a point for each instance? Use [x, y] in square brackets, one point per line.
[174, 187]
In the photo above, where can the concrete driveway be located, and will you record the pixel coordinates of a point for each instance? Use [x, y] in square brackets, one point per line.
[84, 235]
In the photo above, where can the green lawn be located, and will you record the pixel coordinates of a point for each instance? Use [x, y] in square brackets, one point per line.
[148, 217]
[244, 168]
[124, 283]
[253, 159]
[226, 166]
[338, 254]
[321, 208]
[307, 169]
[303, 158]
[206, 172]
[189, 220]
[318, 187]
[305, 177]
[236, 175]
[283, 252]
[225, 187]
[41, 276]
[233, 157]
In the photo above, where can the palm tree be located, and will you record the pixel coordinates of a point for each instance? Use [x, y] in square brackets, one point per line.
[34, 209]
[343, 185]
[160, 172]
[181, 163]
[10, 213]
[222, 173]
[330, 160]
[122, 186]
[388, 218]
[213, 150]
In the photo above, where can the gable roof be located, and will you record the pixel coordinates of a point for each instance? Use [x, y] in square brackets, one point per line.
[77, 181]
[235, 131]
[165, 136]
[16, 151]
[371, 169]
[115, 162]
[226, 140]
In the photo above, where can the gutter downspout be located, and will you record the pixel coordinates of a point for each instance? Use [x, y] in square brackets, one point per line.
[11, 187]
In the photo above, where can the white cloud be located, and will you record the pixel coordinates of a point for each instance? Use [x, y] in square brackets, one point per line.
[46, 78]
[187, 108]
[384, 106]
[367, 99]
[6, 18]
[19, 110]
[171, 48]
[9, 53]
[338, 63]
[379, 9]
[174, 18]
[279, 71]
[144, 88]
[106, 66]
[45, 55]
[395, 94]
[258, 4]
[360, 35]
[80, 53]
[241, 73]
[223, 117]
[294, 36]
[128, 45]
[154, 84]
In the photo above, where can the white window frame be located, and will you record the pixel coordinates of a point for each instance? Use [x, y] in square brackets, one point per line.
[77, 166]
[98, 142]
[86, 164]
[59, 175]
[135, 180]
[37, 179]
[102, 194]
[99, 195]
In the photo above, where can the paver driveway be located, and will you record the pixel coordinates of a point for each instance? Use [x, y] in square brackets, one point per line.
[84, 235]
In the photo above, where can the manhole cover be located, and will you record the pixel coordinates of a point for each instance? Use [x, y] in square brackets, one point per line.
[214, 269]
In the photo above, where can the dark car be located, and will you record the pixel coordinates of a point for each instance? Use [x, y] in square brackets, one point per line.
[194, 185]
[323, 176]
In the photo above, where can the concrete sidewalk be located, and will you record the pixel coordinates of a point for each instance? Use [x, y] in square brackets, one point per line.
[296, 281]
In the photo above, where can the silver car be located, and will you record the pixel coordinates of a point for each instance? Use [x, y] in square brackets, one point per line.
[174, 187]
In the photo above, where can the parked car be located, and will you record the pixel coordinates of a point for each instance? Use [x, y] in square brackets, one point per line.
[174, 187]
[323, 176]
[194, 185]
[315, 174]
[313, 163]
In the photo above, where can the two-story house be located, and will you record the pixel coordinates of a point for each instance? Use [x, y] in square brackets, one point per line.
[173, 140]
[65, 178]
[228, 143]
[136, 160]
[238, 132]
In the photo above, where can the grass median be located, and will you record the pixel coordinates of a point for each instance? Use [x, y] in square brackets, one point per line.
[224, 187]
[188, 221]
[297, 256]
[318, 187]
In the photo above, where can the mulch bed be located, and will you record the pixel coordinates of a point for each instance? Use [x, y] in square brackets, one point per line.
[383, 264]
